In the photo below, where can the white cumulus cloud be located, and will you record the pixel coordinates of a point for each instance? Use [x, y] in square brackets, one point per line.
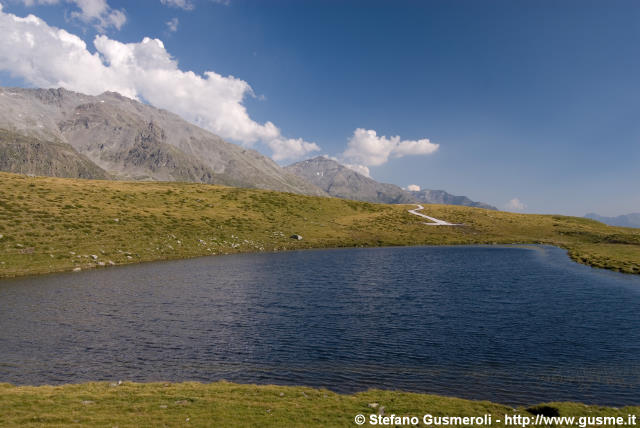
[515, 204]
[96, 12]
[290, 148]
[413, 188]
[182, 4]
[361, 169]
[172, 24]
[365, 147]
[48, 57]
[99, 13]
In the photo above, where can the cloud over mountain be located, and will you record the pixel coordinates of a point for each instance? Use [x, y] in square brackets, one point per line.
[48, 57]
[290, 148]
[365, 147]
[360, 169]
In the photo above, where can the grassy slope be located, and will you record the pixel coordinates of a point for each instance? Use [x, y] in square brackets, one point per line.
[53, 224]
[231, 405]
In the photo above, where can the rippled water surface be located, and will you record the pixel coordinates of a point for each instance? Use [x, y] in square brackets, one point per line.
[510, 324]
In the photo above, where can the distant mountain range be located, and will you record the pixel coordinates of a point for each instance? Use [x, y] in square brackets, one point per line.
[57, 132]
[342, 182]
[61, 133]
[442, 197]
[628, 220]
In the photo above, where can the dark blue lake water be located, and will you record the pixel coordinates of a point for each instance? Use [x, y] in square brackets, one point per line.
[516, 325]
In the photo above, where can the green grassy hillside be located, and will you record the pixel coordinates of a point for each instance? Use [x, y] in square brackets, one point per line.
[54, 224]
[231, 405]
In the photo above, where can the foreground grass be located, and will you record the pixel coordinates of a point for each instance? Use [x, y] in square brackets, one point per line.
[54, 224]
[225, 404]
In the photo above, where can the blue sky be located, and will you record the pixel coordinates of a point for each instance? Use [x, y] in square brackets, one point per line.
[537, 101]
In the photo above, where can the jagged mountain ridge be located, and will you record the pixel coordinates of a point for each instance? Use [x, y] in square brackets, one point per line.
[342, 182]
[130, 140]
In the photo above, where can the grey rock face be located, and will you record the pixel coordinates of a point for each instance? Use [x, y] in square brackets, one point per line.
[27, 155]
[133, 141]
[339, 181]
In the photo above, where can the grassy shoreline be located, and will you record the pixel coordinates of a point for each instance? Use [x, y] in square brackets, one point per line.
[239, 405]
[54, 225]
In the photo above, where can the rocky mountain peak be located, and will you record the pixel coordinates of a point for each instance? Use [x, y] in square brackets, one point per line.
[126, 139]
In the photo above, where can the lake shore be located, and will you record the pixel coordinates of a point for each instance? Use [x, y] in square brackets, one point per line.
[237, 405]
[56, 225]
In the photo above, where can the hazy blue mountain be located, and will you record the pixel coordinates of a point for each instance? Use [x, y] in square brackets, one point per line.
[627, 220]
[339, 181]
[442, 197]
[342, 182]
